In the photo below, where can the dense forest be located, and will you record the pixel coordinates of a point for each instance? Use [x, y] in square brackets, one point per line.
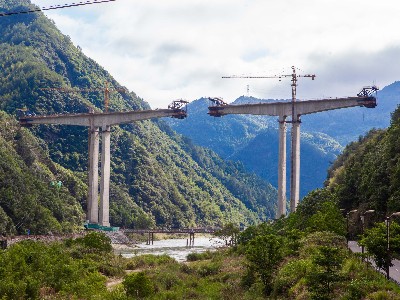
[367, 174]
[158, 177]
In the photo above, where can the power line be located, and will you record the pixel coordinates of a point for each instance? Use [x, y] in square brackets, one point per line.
[52, 7]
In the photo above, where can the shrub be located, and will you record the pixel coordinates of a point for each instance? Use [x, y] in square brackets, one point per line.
[208, 269]
[290, 274]
[327, 263]
[138, 285]
[148, 260]
[383, 295]
[356, 289]
[168, 279]
[309, 245]
[199, 256]
[186, 269]
[96, 241]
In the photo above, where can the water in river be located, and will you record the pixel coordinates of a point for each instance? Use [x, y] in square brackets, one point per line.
[175, 248]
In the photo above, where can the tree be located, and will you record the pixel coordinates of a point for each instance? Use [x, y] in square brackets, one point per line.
[319, 212]
[327, 262]
[97, 242]
[228, 233]
[375, 240]
[263, 254]
[138, 285]
[328, 218]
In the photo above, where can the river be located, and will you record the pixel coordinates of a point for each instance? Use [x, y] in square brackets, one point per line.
[175, 248]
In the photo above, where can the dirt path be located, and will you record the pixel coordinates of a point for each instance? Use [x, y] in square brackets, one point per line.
[112, 282]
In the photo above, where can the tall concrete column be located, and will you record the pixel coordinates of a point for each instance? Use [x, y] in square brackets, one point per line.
[282, 168]
[105, 178]
[93, 185]
[295, 166]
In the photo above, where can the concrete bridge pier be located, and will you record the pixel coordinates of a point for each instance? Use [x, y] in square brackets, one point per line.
[282, 168]
[104, 216]
[94, 215]
[95, 121]
[92, 204]
[295, 171]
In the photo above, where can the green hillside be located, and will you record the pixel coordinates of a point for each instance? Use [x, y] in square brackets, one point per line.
[158, 177]
[367, 174]
[27, 200]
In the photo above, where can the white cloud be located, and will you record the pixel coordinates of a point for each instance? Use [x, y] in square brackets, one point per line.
[164, 50]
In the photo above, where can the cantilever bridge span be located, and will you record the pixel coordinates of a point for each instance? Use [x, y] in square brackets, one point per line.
[294, 109]
[101, 123]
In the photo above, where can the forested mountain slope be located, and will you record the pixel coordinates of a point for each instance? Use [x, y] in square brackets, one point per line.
[157, 177]
[29, 200]
[367, 174]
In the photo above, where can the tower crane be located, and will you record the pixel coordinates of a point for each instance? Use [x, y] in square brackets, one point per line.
[294, 79]
[106, 91]
[295, 142]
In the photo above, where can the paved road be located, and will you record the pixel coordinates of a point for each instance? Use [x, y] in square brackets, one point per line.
[394, 271]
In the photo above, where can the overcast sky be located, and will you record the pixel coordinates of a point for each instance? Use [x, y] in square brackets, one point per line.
[170, 49]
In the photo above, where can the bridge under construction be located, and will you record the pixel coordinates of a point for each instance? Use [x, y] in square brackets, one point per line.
[294, 109]
[100, 124]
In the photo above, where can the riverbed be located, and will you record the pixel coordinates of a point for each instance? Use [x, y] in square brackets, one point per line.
[176, 248]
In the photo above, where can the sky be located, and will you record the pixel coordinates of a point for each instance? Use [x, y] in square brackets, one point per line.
[165, 50]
